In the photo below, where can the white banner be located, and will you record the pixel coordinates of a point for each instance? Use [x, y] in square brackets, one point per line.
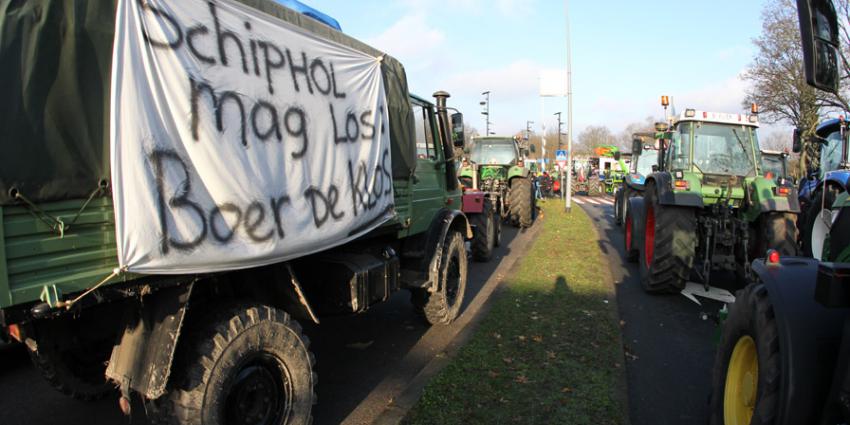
[240, 140]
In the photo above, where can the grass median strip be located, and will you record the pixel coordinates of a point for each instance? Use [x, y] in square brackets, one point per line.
[549, 349]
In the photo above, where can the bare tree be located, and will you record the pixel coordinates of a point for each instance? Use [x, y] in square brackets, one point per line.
[775, 141]
[624, 139]
[593, 136]
[778, 84]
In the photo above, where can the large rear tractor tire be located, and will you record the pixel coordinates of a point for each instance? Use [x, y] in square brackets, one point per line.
[244, 365]
[745, 382]
[778, 231]
[521, 202]
[812, 214]
[483, 233]
[442, 306]
[667, 254]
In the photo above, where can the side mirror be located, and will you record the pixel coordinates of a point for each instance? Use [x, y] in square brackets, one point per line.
[637, 146]
[819, 35]
[796, 143]
[532, 148]
[654, 168]
[457, 129]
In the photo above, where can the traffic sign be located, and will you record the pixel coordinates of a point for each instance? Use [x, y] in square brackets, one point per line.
[561, 158]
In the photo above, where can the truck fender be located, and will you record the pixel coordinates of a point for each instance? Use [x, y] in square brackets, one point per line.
[448, 220]
[809, 336]
[664, 188]
[141, 361]
[636, 211]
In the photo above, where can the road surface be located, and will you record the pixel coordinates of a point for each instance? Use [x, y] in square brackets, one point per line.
[669, 347]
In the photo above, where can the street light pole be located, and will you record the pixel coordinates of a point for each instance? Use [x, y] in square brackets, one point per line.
[559, 128]
[486, 104]
[569, 198]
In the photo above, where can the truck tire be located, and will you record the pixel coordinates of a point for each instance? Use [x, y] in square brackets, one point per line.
[442, 306]
[746, 377]
[483, 233]
[74, 367]
[776, 230]
[521, 202]
[812, 212]
[245, 365]
[667, 254]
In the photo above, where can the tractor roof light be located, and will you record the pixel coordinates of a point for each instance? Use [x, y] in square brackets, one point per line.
[690, 113]
[665, 101]
[773, 256]
[754, 108]
[754, 119]
[661, 126]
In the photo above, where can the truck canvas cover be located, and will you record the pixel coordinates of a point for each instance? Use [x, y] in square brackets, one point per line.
[55, 73]
[232, 134]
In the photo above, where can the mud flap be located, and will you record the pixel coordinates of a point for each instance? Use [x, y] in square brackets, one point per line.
[141, 362]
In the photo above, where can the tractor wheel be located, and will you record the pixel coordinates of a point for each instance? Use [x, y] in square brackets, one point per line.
[628, 237]
[667, 254]
[521, 202]
[245, 365]
[484, 233]
[812, 214]
[75, 368]
[594, 186]
[442, 306]
[618, 195]
[747, 374]
[777, 231]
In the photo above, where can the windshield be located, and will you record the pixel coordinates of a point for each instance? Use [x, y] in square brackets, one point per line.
[720, 149]
[495, 152]
[647, 158]
[772, 164]
[831, 152]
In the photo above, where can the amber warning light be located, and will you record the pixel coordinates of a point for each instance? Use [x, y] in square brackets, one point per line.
[665, 101]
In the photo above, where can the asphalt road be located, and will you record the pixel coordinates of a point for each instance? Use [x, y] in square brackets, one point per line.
[669, 347]
[362, 361]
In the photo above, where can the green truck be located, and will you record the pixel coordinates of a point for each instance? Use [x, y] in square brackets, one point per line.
[193, 347]
[709, 206]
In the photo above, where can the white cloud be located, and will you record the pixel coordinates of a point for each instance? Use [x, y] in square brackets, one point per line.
[516, 80]
[414, 51]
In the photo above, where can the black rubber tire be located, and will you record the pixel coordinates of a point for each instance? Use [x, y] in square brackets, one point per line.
[594, 186]
[811, 215]
[71, 365]
[229, 345]
[442, 306]
[521, 202]
[483, 233]
[776, 230]
[674, 247]
[631, 251]
[497, 225]
[750, 315]
[618, 199]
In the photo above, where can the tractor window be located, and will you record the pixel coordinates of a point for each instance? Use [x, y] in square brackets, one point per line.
[645, 161]
[424, 133]
[680, 147]
[724, 149]
[831, 152]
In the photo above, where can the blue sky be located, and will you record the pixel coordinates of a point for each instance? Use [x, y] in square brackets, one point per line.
[625, 53]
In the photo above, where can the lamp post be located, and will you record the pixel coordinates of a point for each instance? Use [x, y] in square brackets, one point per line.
[559, 128]
[569, 198]
[486, 104]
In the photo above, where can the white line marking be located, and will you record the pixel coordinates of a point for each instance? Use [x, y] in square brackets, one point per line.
[578, 201]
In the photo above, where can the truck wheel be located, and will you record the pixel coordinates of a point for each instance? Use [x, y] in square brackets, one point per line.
[72, 365]
[746, 376]
[246, 365]
[628, 238]
[442, 306]
[667, 254]
[776, 231]
[521, 201]
[812, 214]
[484, 233]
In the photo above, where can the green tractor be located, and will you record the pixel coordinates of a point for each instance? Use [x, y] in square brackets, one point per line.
[613, 178]
[496, 167]
[708, 207]
[783, 353]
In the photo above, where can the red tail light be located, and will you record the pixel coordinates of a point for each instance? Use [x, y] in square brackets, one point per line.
[772, 256]
[768, 175]
[782, 191]
[681, 185]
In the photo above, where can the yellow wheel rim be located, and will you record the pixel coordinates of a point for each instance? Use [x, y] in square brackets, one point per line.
[739, 396]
